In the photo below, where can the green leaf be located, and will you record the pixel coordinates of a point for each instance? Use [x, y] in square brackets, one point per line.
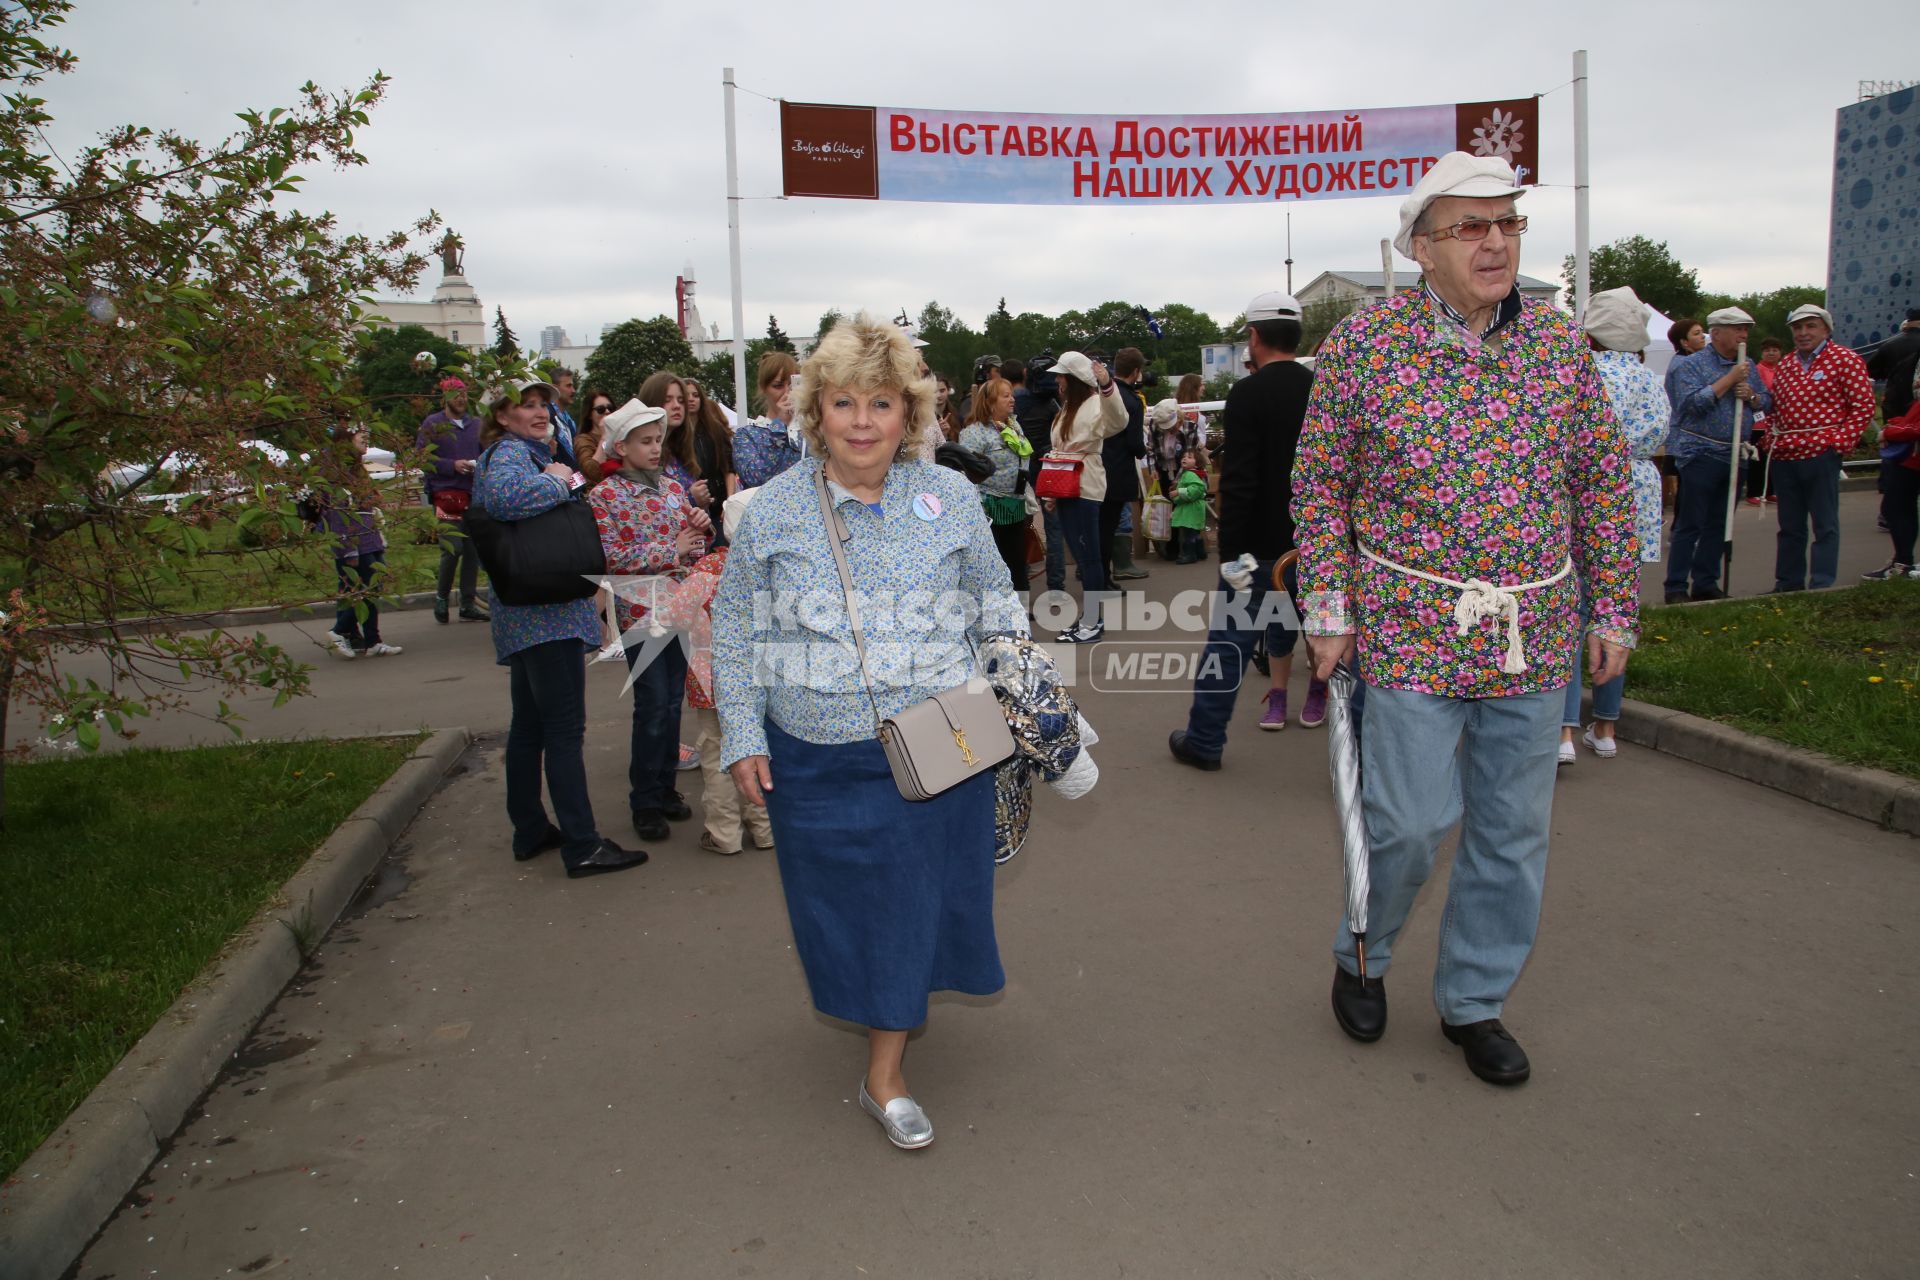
[88, 734]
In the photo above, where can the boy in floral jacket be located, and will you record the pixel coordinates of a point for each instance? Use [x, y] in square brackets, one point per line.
[689, 611]
[649, 528]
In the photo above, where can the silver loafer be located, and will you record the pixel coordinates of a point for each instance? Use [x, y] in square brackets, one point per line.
[906, 1124]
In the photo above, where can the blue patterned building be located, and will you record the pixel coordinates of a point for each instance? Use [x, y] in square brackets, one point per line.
[1873, 256]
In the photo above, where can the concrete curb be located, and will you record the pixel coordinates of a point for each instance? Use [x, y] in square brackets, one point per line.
[55, 1203]
[237, 619]
[1886, 799]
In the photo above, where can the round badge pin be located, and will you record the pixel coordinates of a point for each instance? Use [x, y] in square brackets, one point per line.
[927, 506]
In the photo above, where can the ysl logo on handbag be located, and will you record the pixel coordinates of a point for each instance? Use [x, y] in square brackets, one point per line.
[967, 757]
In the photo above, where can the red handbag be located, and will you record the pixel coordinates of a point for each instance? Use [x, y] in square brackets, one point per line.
[1059, 476]
[452, 503]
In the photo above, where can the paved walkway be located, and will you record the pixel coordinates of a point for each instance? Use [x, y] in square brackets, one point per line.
[490, 1070]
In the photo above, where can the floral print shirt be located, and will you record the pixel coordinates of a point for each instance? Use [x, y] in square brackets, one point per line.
[639, 524]
[762, 449]
[1640, 405]
[782, 646]
[1494, 459]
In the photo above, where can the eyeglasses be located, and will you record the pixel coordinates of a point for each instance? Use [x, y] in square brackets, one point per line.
[1514, 224]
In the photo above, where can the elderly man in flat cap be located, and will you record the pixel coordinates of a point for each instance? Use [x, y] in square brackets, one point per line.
[1461, 483]
[1704, 389]
[1822, 402]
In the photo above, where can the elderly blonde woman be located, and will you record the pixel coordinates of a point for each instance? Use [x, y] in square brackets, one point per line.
[889, 900]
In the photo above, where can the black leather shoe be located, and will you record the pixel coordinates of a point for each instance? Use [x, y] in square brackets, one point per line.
[1492, 1052]
[1707, 593]
[675, 808]
[552, 840]
[1177, 743]
[1675, 597]
[1359, 1007]
[650, 824]
[608, 857]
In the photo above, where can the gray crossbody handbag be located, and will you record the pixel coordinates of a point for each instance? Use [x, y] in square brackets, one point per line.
[935, 744]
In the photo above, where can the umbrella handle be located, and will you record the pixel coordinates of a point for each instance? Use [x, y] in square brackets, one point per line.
[1360, 948]
[1281, 566]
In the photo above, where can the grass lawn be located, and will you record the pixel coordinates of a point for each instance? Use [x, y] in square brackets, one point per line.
[295, 575]
[1834, 671]
[121, 876]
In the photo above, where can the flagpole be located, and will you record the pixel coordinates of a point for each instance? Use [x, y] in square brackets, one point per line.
[1582, 225]
[740, 407]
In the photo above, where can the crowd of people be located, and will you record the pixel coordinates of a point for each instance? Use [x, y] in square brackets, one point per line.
[1452, 506]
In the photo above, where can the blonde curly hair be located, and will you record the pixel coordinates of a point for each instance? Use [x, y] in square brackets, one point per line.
[866, 355]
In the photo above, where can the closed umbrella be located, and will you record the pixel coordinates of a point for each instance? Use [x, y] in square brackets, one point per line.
[1343, 758]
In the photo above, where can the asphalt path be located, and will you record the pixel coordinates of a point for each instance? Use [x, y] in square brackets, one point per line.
[490, 1070]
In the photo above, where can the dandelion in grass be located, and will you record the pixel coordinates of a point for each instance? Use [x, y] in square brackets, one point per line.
[1873, 679]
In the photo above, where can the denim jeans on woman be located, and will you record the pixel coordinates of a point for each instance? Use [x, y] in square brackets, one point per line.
[346, 618]
[1488, 764]
[1606, 697]
[659, 691]
[1080, 528]
[549, 728]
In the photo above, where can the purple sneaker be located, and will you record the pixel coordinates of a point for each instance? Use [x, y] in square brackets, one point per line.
[1275, 718]
[1314, 714]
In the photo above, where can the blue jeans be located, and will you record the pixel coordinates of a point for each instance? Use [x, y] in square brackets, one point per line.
[1606, 697]
[659, 690]
[1699, 524]
[1488, 764]
[1233, 629]
[346, 620]
[1056, 550]
[1080, 529]
[548, 683]
[1809, 490]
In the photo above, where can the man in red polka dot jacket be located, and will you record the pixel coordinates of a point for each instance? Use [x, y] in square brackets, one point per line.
[1822, 402]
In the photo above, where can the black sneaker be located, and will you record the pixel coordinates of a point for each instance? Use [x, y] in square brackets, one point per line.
[472, 611]
[650, 824]
[1707, 593]
[675, 807]
[1894, 569]
[440, 610]
[1675, 597]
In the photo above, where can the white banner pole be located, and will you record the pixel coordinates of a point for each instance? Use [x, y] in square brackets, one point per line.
[1386, 267]
[1582, 228]
[740, 406]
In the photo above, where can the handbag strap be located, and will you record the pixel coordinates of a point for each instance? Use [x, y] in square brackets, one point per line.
[837, 533]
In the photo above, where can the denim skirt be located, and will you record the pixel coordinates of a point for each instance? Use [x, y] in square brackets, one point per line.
[890, 899]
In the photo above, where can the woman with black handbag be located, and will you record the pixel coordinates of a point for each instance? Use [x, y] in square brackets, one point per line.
[543, 646]
[890, 899]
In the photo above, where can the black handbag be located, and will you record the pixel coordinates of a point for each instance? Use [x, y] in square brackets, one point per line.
[550, 558]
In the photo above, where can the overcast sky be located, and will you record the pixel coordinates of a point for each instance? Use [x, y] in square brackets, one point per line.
[1712, 130]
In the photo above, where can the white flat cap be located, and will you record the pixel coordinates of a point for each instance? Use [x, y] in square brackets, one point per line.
[1811, 311]
[1617, 320]
[1455, 174]
[621, 422]
[1729, 315]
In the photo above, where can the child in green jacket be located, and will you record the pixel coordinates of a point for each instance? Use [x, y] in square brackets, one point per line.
[1189, 512]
